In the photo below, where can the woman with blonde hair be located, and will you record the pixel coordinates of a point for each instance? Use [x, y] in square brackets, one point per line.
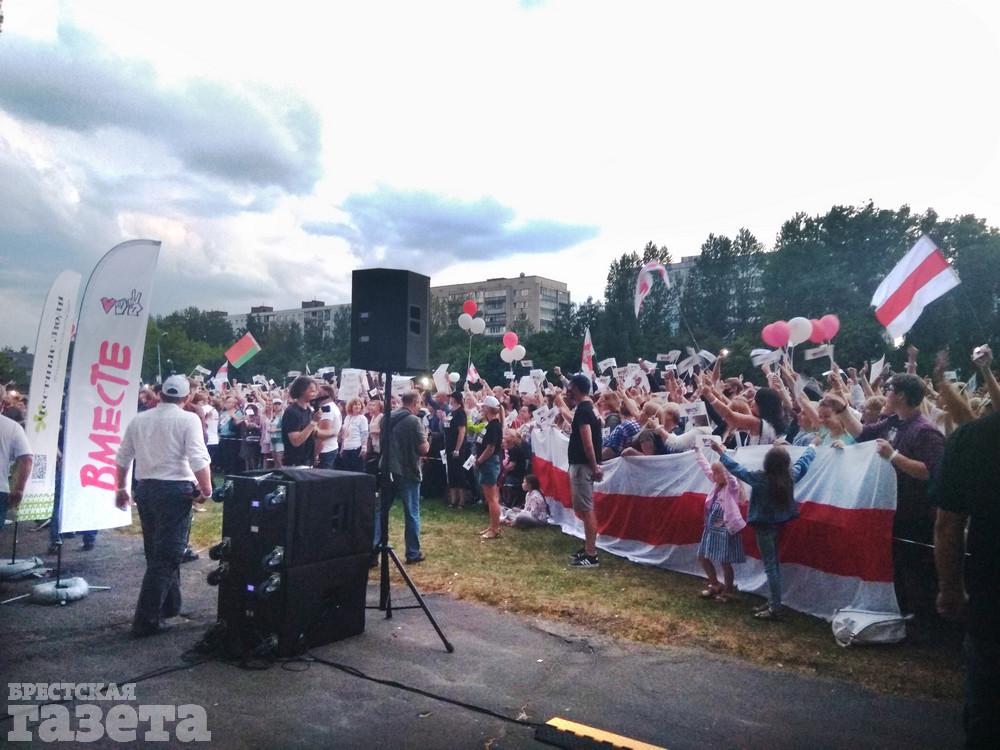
[354, 437]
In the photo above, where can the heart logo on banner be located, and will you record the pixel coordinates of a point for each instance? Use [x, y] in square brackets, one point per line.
[108, 303]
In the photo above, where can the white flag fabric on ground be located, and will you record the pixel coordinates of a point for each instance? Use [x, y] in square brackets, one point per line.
[587, 357]
[651, 509]
[104, 383]
[644, 282]
[45, 400]
[918, 279]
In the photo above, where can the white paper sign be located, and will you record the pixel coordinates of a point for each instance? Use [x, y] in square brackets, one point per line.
[603, 384]
[876, 369]
[469, 462]
[441, 382]
[509, 374]
[696, 413]
[604, 364]
[352, 383]
[401, 384]
[706, 355]
[527, 385]
[527, 363]
[761, 357]
[826, 350]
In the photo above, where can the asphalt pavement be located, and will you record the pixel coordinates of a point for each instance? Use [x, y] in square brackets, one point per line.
[518, 667]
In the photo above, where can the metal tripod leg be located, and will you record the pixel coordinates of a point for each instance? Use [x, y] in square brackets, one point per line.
[385, 598]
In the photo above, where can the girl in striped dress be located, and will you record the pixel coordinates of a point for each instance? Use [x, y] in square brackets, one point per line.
[721, 541]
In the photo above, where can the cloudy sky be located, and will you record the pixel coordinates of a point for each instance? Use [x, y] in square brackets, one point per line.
[273, 147]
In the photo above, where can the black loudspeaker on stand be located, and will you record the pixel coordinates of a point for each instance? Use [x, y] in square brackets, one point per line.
[390, 324]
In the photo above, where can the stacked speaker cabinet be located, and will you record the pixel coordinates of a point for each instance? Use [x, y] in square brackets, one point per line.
[293, 560]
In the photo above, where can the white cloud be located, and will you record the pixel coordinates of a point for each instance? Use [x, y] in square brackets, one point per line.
[650, 121]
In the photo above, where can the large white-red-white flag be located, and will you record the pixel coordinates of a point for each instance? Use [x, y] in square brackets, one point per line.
[587, 358]
[918, 279]
[644, 282]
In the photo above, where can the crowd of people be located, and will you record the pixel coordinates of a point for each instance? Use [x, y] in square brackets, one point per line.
[473, 445]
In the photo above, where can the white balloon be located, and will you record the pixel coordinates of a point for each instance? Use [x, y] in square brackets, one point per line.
[799, 330]
[507, 355]
[465, 321]
[478, 325]
[454, 377]
[519, 352]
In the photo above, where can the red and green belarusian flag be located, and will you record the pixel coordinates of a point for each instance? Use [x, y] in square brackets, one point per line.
[243, 350]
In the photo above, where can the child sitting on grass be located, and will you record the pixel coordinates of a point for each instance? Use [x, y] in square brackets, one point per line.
[535, 511]
[772, 504]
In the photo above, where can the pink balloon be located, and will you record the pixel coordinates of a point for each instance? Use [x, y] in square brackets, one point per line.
[470, 306]
[780, 333]
[766, 334]
[818, 335]
[831, 325]
[509, 340]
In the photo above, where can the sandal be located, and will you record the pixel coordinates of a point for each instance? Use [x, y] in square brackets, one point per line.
[711, 591]
[723, 597]
[761, 608]
[490, 534]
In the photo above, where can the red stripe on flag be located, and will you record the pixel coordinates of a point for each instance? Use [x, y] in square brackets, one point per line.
[900, 299]
[846, 542]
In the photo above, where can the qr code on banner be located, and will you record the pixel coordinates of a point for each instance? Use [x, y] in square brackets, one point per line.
[38, 466]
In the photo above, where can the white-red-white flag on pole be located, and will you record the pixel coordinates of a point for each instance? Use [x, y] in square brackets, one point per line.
[221, 376]
[918, 279]
[587, 358]
[644, 282]
[473, 374]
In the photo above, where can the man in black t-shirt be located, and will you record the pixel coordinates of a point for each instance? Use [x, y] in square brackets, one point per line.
[968, 486]
[584, 466]
[298, 423]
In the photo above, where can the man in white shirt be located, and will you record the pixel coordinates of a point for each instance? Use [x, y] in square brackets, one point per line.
[14, 449]
[173, 470]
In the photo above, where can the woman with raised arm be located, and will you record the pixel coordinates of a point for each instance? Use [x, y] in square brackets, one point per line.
[765, 423]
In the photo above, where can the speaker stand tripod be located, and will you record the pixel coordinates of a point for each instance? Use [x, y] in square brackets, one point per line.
[386, 494]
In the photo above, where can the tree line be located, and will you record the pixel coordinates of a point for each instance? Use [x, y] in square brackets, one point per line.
[829, 263]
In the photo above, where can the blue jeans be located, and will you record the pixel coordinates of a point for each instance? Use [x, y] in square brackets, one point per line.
[328, 459]
[767, 542]
[409, 490]
[165, 513]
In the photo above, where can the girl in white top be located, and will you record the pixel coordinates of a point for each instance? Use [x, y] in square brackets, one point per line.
[354, 437]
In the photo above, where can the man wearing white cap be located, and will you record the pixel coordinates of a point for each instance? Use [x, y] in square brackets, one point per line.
[172, 467]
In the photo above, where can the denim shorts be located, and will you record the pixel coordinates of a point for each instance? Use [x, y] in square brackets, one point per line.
[489, 471]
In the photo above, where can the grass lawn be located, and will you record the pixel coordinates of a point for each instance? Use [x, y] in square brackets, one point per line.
[527, 572]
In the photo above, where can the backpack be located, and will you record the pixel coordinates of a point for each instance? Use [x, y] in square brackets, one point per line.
[864, 627]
